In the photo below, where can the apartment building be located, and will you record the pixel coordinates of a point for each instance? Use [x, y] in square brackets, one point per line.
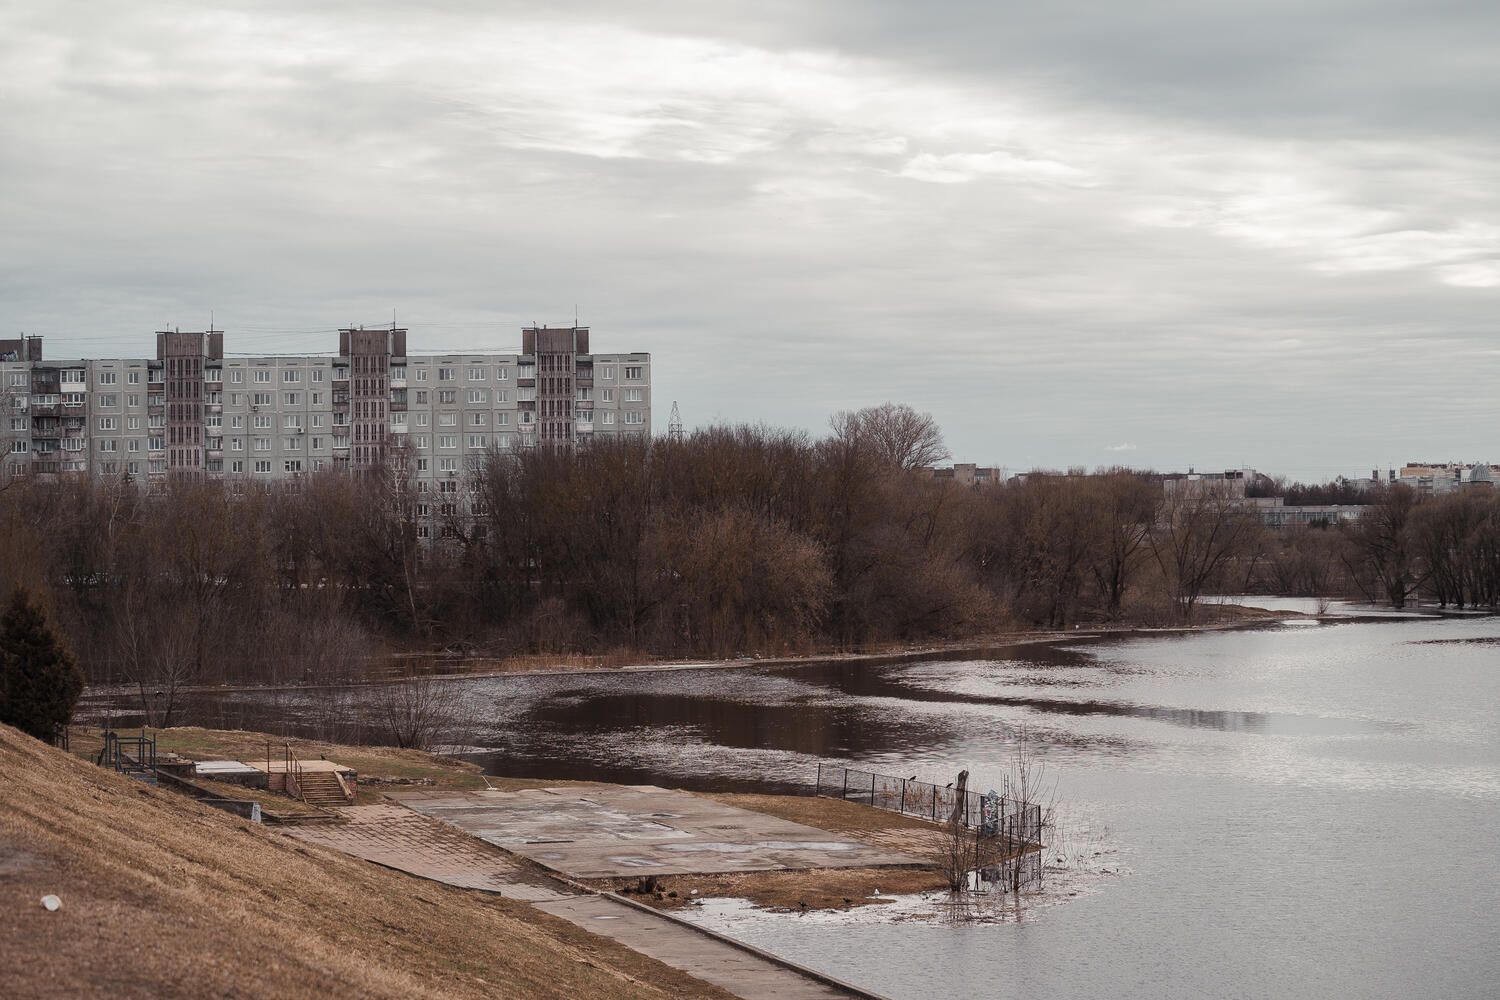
[194, 412]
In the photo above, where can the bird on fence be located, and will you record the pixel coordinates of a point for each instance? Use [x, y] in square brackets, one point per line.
[801, 904]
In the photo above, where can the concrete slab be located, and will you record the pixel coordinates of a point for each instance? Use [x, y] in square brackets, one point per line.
[742, 973]
[399, 838]
[641, 830]
[308, 766]
[220, 768]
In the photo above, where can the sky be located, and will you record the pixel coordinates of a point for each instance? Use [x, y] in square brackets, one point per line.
[1161, 234]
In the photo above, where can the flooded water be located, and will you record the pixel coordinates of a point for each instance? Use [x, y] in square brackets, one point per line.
[1304, 810]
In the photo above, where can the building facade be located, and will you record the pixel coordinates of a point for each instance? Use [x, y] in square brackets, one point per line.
[193, 412]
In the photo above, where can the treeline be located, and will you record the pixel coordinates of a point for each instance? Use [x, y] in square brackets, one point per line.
[733, 541]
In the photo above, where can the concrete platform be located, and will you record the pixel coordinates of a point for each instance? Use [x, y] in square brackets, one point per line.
[398, 838]
[624, 831]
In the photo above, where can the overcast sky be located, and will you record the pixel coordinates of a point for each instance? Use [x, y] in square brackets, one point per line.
[1161, 233]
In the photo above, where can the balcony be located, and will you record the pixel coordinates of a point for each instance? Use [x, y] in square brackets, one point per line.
[213, 407]
[156, 410]
[46, 409]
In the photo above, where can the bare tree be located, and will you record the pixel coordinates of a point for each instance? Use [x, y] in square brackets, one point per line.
[1199, 531]
[895, 434]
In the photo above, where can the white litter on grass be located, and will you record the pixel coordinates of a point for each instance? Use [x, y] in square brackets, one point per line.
[51, 902]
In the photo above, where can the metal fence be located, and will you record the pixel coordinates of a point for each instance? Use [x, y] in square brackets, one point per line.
[992, 815]
[127, 753]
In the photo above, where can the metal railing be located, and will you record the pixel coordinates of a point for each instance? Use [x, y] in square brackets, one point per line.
[991, 815]
[127, 753]
[293, 773]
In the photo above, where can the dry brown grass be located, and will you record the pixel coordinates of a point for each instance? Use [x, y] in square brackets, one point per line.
[164, 897]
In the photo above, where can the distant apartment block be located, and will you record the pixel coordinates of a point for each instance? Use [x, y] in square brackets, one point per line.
[966, 474]
[193, 412]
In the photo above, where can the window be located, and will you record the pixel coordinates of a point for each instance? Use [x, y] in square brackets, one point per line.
[447, 419]
[478, 441]
[476, 374]
[478, 419]
[107, 400]
[73, 376]
[502, 374]
[501, 419]
[132, 423]
[260, 399]
[236, 444]
[526, 395]
[213, 420]
[238, 465]
[422, 530]
[215, 375]
[291, 375]
[18, 423]
[398, 420]
[134, 378]
[502, 395]
[19, 380]
[527, 370]
[317, 443]
[422, 441]
[317, 419]
[236, 377]
[632, 372]
[262, 466]
[398, 373]
[633, 395]
[109, 423]
[317, 374]
[18, 447]
[424, 510]
[421, 396]
[447, 465]
[609, 418]
[635, 416]
[292, 465]
[421, 376]
[156, 443]
[421, 465]
[584, 394]
[445, 374]
[447, 396]
[291, 444]
[607, 372]
[72, 399]
[607, 395]
[133, 445]
[291, 399]
[262, 375]
[109, 444]
[292, 420]
[479, 396]
[107, 378]
[237, 420]
[527, 417]
[236, 399]
[133, 399]
[586, 416]
[317, 399]
[447, 440]
[448, 485]
[422, 419]
[262, 444]
[263, 422]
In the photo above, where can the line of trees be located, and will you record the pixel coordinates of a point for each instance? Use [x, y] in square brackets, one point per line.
[732, 541]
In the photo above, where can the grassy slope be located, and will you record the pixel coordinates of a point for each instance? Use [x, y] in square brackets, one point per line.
[163, 897]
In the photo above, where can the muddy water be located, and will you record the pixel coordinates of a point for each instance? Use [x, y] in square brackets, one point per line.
[1304, 810]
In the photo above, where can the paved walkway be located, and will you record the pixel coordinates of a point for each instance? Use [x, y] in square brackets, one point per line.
[740, 972]
[399, 838]
[630, 830]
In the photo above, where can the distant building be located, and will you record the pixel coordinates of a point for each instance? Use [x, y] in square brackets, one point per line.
[192, 412]
[967, 474]
[1231, 482]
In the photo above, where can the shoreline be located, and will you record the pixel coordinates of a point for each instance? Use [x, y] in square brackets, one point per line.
[1252, 617]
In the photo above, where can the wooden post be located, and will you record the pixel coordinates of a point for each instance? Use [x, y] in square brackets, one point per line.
[845, 793]
[872, 789]
[903, 795]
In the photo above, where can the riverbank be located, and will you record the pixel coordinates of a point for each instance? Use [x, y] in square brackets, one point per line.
[164, 897]
[1229, 616]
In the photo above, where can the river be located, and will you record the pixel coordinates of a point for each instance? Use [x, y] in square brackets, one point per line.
[1298, 810]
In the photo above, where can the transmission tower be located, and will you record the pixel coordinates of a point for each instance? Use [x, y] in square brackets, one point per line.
[674, 424]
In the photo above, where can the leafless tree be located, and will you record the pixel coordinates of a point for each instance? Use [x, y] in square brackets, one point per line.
[895, 434]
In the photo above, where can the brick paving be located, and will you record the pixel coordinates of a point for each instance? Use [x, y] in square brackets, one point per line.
[399, 838]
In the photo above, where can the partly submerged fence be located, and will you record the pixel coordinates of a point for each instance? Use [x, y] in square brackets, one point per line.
[989, 815]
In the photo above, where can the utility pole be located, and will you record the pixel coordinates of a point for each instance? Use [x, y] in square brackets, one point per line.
[674, 424]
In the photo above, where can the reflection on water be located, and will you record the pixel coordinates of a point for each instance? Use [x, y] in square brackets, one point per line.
[1306, 811]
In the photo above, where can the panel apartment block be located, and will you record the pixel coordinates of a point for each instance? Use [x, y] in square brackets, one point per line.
[194, 412]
